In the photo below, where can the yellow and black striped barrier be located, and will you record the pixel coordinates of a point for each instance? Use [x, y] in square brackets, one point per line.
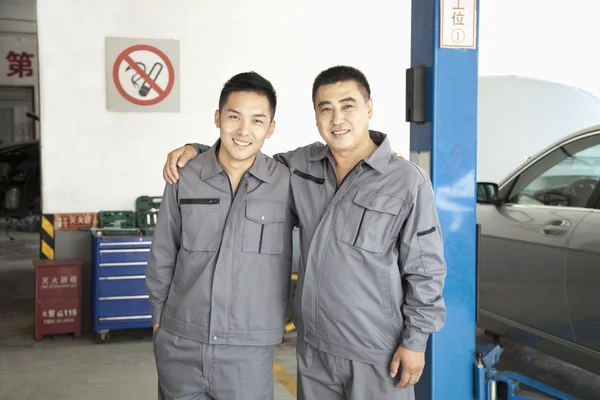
[47, 237]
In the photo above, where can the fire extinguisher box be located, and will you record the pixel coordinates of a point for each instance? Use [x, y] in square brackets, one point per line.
[57, 297]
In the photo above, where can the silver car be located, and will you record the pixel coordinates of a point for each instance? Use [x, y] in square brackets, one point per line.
[539, 251]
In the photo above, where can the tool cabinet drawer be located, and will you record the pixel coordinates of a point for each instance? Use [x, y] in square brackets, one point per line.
[122, 286]
[122, 243]
[123, 255]
[122, 268]
[139, 306]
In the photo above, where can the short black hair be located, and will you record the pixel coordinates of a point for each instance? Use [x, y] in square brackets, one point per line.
[342, 73]
[249, 82]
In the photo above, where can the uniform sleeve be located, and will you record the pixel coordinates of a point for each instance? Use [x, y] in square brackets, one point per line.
[287, 158]
[163, 253]
[200, 148]
[423, 271]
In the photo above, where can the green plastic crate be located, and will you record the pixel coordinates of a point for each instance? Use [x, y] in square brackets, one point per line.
[146, 210]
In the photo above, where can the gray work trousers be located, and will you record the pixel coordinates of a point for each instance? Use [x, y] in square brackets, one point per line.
[322, 376]
[191, 370]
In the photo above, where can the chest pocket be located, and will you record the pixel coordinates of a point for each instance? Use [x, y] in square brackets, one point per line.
[370, 219]
[263, 227]
[201, 224]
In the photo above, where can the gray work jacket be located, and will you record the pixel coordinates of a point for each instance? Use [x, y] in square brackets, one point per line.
[219, 269]
[371, 269]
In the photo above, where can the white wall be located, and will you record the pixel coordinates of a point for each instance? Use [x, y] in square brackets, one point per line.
[96, 160]
[540, 39]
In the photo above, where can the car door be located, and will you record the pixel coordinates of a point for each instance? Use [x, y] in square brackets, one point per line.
[524, 241]
[583, 279]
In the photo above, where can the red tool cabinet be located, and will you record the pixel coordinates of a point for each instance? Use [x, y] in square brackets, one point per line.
[57, 297]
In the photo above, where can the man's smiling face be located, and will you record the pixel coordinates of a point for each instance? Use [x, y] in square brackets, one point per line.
[245, 121]
[342, 115]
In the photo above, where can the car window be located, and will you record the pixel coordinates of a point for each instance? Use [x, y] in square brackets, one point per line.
[565, 177]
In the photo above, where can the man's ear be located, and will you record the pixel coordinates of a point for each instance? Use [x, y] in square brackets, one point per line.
[271, 129]
[218, 119]
[370, 108]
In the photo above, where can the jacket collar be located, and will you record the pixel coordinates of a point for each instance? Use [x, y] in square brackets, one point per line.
[212, 167]
[378, 160]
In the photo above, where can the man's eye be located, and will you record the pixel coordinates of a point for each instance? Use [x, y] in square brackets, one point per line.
[258, 121]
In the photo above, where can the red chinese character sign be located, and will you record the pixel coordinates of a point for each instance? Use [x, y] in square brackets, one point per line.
[142, 75]
[18, 61]
[19, 64]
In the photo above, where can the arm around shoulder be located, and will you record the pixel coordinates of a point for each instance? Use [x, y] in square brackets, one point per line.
[199, 147]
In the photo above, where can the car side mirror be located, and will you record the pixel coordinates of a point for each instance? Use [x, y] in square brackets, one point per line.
[487, 193]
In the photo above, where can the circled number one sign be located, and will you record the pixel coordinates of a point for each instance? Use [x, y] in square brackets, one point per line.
[143, 75]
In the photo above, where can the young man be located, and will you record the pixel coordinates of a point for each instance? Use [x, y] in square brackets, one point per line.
[219, 269]
[372, 268]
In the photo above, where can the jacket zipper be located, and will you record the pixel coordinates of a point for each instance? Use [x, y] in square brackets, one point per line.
[347, 175]
[230, 189]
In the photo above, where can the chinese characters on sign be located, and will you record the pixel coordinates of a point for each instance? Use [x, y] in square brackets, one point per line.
[458, 24]
[19, 64]
[59, 282]
[69, 222]
[59, 316]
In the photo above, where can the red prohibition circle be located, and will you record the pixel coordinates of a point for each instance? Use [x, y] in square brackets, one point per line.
[162, 93]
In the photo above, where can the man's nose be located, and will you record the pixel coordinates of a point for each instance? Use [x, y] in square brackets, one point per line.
[338, 118]
[244, 128]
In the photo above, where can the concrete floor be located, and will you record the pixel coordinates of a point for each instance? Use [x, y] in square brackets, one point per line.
[66, 368]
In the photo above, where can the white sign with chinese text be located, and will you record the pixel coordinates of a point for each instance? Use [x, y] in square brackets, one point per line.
[59, 282]
[458, 23]
[18, 61]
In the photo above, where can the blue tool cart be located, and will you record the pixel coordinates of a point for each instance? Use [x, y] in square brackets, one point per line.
[119, 295]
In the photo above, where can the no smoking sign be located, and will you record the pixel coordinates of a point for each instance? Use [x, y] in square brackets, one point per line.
[142, 75]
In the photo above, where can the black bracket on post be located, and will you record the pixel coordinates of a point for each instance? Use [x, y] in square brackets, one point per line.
[416, 95]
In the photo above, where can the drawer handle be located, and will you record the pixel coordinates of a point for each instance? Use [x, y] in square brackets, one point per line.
[125, 318]
[124, 297]
[126, 251]
[125, 264]
[124, 244]
[119, 278]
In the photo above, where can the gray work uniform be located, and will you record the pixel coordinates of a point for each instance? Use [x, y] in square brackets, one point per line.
[219, 271]
[371, 270]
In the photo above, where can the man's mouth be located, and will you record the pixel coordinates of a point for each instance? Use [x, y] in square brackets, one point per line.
[340, 132]
[241, 143]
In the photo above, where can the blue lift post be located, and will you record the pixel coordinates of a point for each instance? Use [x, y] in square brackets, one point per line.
[446, 145]
[442, 109]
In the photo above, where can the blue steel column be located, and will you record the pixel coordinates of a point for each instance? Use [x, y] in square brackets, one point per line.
[450, 134]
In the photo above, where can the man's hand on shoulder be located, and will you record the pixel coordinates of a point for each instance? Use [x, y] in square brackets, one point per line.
[411, 364]
[177, 159]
